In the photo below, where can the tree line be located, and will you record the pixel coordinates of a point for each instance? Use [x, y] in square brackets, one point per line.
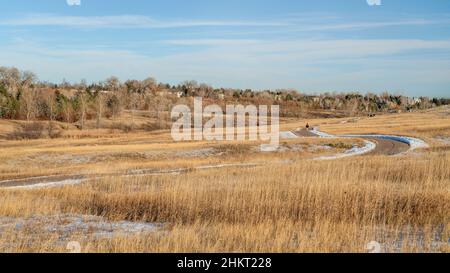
[23, 97]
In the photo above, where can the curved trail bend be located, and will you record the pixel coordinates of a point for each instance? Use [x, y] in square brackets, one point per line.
[374, 144]
[384, 144]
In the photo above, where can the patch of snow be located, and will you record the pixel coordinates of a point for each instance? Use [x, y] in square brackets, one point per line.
[67, 225]
[314, 148]
[369, 146]
[319, 133]
[29, 178]
[43, 185]
[197, 152]
[296, 147]
[148, 172]
[267, 148]
[288, 135]
[130, 173]
[444, 140]
[394, 240]
[141, 172]
[225, 166]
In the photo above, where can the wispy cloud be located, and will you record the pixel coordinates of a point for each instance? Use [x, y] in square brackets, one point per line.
[138, 21]
[317, 49]
[313, 53]
[364, 25]
[251, 63]
[126, 21]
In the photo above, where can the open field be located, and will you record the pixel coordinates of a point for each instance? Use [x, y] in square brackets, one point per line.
[142, 192]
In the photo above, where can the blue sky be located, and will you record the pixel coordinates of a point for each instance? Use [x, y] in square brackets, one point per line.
[401, 46]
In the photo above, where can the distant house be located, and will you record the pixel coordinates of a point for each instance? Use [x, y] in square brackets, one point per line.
[179, 94]
[221, 96]
[163, 93]
[412, 101]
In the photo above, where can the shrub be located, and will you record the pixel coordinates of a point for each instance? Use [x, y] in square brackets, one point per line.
[32, 130]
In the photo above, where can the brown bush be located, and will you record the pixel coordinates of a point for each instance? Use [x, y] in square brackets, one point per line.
[33, 130]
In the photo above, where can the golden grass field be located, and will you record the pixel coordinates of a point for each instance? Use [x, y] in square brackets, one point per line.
[272, 202]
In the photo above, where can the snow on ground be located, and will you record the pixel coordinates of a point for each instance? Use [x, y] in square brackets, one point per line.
[146, 172]
[197, 153]
[287, 135]
[66, 182]
[67, 225]
[313, 148]
[226, 166]
[444, 140]
[368, 147]
[30, 178]
[394, 240]
[267, 148]
[319, 133]
[131, 173]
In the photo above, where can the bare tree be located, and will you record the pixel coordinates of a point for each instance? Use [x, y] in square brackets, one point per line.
[10, 78]
[27, 78]
[51, 104]
[28, 102]
[83, 107]
[67, 109]
[149, 85]
[134, 103]
[112, 83]
[99, 103]
[190, 86]
[112, 102]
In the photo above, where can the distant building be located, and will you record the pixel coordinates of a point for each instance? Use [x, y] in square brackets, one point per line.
[163, 93]
[412, 101]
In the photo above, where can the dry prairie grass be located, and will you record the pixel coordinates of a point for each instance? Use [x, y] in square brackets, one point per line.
[300, 206]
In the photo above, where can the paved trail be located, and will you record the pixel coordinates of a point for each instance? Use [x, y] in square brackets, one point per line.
[388, 147]
[385, 145]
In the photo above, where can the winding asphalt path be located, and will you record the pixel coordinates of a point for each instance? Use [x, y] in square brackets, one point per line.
[385, 145]
[388, 147]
